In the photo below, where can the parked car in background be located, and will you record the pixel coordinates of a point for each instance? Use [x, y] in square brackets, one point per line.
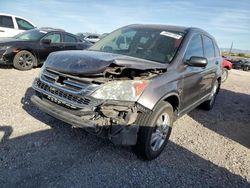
[237, 63]
[31, 48]
[11, 25]
[91, 37]
[241, 64]
[226, 66]
[246, 65]
[132, 85]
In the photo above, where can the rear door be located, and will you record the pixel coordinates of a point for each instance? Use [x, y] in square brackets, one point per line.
[70, 42]
[55, 45]
[209, 73]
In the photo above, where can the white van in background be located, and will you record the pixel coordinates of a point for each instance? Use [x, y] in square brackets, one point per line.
[11, 25]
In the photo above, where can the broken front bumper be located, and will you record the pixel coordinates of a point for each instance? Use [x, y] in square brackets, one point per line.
[116, 119]
[118, 134]
[82, 110]
[6, 58]
[61, 113]
[107, 114]
[3, 61]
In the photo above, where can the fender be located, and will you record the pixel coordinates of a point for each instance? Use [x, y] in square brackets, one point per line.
[160, 90]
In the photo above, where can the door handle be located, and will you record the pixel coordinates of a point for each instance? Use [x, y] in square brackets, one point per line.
[217, 62]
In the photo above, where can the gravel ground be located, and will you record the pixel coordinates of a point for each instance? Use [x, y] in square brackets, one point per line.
[206, 149]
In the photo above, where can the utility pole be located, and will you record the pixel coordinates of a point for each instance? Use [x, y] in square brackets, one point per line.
[231, 48]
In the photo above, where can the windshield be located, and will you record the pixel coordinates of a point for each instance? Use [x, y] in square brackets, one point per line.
[146, 43]
[30, 35]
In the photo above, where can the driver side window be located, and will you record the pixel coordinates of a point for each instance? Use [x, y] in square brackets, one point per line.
[194, 48]
[121, 42]
[54, 37]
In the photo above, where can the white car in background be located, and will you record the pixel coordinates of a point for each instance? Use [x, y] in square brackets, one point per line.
[91, 37]
[11, 25]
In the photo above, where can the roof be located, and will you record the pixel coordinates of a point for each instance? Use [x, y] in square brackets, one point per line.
[168, 27]
[158, 26]
[48, 29]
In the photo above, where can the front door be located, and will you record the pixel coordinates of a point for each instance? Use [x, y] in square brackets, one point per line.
[192, 76]
[55, 45]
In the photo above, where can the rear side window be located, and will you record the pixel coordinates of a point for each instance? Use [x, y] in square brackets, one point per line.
[54, 37]
[69, 38]
[208, 47]
[217, 51]
[194, 48]
[6, 21]
[23, 24]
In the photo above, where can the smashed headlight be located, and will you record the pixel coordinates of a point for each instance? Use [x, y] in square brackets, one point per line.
[129, 90]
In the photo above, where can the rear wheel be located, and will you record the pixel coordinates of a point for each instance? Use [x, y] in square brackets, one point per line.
[208, 105]
[224, 75]
[24, 60]
[154, 132]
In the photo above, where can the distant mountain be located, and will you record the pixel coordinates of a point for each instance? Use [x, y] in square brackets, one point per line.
[235, 50]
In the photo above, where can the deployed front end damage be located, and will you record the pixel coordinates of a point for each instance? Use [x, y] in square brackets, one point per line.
[111, 119]
[103, 102]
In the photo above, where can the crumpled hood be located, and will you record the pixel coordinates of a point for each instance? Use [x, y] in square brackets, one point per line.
[7, 40]
[82, 63]
[10, 41]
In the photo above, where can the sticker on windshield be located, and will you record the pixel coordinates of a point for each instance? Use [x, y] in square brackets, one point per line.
[169, 34]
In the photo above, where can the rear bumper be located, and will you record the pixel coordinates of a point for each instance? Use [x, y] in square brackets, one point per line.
[61, 114]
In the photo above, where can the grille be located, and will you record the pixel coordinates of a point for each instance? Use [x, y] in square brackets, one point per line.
[67, 82]
[78, 101]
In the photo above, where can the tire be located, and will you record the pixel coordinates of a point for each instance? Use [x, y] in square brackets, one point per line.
[150, 134]
[224, 75]
[208, 105]
[245, 68]
[24, 60]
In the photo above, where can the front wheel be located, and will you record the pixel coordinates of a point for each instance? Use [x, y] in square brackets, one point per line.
[154, 132]
[24, 60]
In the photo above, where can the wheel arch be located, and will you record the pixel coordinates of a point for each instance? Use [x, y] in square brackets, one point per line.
[219, 81]
[174, 100]
[32, 52]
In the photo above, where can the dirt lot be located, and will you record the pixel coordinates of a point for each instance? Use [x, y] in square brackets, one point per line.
[206, 149]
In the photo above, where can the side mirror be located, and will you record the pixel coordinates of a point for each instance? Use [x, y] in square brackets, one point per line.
[197, 61]
[46, 41]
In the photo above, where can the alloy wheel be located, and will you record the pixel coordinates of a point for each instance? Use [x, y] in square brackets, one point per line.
[160, 132]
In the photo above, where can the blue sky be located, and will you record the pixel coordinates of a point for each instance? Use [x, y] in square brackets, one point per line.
[227, 20]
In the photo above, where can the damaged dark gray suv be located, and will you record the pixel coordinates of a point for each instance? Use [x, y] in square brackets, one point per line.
[133, 84]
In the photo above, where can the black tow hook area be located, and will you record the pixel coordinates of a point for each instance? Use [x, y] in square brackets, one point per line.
[124, 135]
